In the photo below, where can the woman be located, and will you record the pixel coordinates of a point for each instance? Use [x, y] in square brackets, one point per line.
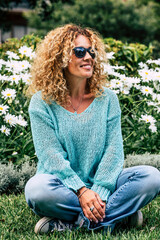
[76, 131]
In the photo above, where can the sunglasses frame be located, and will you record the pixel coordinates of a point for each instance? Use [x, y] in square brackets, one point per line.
[92, 54]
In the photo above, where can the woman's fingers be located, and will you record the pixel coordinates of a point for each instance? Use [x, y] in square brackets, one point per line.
[100, 200]
[94, 214]
[92, 205]
[95, 211]
[99, 209]
[103, 205]
[91, 213]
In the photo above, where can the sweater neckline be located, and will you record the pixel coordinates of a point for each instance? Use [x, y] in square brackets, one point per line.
[75, 113]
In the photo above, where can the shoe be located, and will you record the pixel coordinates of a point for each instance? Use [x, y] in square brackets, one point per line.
[136, 219]
[46, 224]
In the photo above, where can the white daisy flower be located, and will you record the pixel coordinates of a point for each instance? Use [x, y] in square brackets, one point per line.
[115, 83]
[16, 101]
[16, 67]
[156, 75]
[158, 97]
[125, 91]
[146, 75]
[152, 104]
[21, 121]
[23, 66]
[137, 86]
[11, 119]
[148, 119]
[118, 83]
[14, 153]
[2, 62]
[129, 81]
[10, 100]
[134, 80]
[157, 62]
[27, 51]
[158, 109]
[116, 91]
[154, 96]
[110, 55]
[146, 90]
[107, 67]
[26, 78]
[9, 93]
[14, 78]
[143, 65]
[12, 65]
[118, 67]
[3, 78]
[3, 108]
[5, 130]
[153, 128]
[12, 55]
[123, 77]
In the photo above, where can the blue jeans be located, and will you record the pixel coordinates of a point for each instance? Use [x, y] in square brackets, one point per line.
[136, 186]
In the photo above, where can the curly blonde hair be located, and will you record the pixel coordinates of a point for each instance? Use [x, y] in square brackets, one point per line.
[52, 57]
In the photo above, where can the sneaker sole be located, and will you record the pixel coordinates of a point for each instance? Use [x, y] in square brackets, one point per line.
[136, 219]
[41, 223]
[140, 219]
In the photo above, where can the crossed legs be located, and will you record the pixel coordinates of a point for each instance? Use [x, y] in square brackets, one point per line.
[136, 186]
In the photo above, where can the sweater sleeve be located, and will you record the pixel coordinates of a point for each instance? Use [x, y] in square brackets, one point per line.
[52, 158]
[112, 160]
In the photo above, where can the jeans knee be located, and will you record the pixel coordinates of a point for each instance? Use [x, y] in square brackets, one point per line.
[38, 188]
[152, 179]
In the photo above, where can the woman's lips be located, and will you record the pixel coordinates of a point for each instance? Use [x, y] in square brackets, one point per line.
[86, 66]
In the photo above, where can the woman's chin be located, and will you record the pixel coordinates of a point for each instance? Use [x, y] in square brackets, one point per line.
[88, 75]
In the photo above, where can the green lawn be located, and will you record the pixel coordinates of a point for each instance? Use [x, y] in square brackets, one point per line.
[17, 223]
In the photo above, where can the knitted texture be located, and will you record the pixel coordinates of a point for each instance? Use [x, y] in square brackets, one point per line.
[83, 149]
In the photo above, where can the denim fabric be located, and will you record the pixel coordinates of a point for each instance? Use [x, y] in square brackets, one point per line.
[136, 186]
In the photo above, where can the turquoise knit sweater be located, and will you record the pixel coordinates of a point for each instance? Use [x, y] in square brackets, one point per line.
[81, 149]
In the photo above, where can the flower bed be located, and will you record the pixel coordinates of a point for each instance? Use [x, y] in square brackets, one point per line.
[136, 83]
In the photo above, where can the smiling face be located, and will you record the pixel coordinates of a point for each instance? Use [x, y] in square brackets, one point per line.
[81, 67]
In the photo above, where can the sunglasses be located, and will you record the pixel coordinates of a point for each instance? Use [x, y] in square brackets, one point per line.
[80, 52]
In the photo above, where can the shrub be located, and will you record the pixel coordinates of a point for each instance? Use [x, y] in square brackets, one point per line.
[128, 54]
[127, 20]
[142, 159]
[13, 179]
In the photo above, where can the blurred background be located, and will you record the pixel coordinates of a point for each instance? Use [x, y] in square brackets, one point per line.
[125, 20]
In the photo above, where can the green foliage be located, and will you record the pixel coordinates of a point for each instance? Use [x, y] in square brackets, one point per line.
[128, 54]
[17, 222]
[131, 20]
[13, 44]
[13, 179]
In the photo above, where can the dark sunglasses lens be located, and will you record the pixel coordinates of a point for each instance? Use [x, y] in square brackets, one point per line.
[92, 53]
[80, 52]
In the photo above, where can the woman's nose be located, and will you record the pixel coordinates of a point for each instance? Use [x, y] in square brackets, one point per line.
[87, 56]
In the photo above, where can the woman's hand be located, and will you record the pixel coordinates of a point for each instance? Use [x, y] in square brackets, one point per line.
[90, 199]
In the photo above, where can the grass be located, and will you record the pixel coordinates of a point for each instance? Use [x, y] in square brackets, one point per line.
[17, 223]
